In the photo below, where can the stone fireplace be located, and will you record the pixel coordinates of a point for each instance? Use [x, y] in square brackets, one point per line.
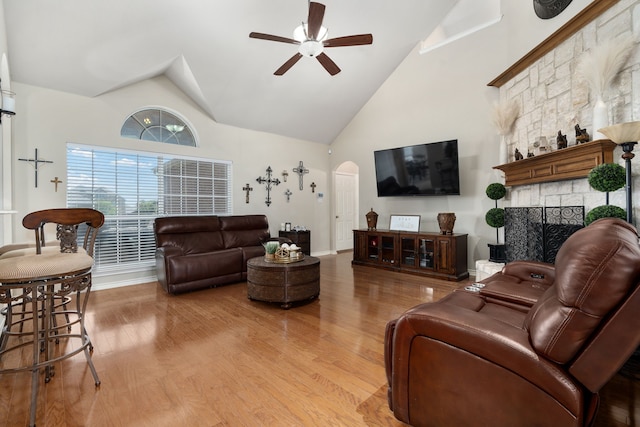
[552, 98]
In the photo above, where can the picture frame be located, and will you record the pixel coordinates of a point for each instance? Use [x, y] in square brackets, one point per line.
[404, 223]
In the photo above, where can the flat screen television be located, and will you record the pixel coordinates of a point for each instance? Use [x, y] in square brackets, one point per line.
[418, 170]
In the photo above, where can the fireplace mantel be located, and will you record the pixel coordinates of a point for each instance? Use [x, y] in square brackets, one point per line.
[568, 163]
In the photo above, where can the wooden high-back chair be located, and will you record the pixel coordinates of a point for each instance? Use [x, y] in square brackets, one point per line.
[67, 221]
[43, 280]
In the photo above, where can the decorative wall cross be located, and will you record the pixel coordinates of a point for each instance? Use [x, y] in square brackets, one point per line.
[301, 170]
[288, 193]
[313, 187]
[56, 181]
[269, 181]
[246, 188]
[36, 162]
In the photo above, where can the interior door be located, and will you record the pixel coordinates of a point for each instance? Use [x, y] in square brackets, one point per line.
[345, 210]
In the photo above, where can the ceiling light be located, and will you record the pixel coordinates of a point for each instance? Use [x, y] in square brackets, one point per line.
[309, 47]
[301, 33]
[174, 128]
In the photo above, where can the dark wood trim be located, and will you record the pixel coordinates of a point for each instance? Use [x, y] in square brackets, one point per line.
[588, 14]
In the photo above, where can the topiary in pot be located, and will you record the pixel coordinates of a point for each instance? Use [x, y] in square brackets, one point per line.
[270, 248]
[606, 177]
[496, 191]
[495, 218]
[605, 211]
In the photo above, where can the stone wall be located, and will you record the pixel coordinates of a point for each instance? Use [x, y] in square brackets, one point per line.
[553, 98]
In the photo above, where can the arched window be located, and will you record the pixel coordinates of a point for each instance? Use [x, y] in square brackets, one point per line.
[155, 124]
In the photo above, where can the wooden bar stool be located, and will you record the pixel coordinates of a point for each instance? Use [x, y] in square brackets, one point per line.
[43, 283]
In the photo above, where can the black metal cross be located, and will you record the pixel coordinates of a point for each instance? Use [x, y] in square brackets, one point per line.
[301, 170]
[36, 161]
[288, 193]
[246, 188]
[269, 181]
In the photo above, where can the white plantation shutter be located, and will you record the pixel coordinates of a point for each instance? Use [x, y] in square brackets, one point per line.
[133, 188]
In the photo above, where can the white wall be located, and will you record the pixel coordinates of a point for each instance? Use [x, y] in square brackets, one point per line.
[48, 119]
[444, 95]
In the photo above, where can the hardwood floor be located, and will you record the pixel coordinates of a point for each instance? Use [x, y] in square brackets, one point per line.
[214, 358]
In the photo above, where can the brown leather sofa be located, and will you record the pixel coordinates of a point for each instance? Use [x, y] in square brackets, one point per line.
[473, 359]
[197, 252]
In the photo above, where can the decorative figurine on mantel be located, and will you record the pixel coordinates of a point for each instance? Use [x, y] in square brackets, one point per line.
[561, 140]
[582, 135]
[518, 155]
[529, 153]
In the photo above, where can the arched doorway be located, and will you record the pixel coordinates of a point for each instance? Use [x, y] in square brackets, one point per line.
[346, 204]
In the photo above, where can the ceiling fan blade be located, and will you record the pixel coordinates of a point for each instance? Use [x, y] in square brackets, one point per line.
[328, 64]
[290, 63]
[355, 40]
[314, 22]
[272, 38]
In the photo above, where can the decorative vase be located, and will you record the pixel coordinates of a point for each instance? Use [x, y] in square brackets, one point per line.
[269, 256]
[446, 222]
[502, 153]
[600, 118]
[372, 220]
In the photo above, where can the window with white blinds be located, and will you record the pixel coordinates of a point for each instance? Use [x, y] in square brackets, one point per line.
[132, 188]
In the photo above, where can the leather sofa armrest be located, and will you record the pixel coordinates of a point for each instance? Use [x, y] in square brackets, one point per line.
[531, 271]
[388, 348]
[168, 251]
[460, 325]
[467, 329]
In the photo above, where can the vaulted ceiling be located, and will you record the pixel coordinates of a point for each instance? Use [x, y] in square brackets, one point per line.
[90, 47]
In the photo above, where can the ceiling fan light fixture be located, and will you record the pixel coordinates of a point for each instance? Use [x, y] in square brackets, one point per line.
[311, 38]
[301, 33]
[310, 48]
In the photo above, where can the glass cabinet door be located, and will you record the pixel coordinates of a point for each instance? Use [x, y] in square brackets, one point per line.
[373, 247]
[408, 251]
[426, 253]
[387, 244]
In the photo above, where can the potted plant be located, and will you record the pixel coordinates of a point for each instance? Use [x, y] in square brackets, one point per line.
[495, 218]
[270, 249]
[606, 177]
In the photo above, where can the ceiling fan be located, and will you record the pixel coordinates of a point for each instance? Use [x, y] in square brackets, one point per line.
[311, 38]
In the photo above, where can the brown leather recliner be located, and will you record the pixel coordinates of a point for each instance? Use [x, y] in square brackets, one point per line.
[472, 360]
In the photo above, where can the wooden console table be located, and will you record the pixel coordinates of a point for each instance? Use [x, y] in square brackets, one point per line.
[568, 163]
[443, 256]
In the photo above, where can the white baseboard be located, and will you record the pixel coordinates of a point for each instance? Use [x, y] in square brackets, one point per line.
[100, 285]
